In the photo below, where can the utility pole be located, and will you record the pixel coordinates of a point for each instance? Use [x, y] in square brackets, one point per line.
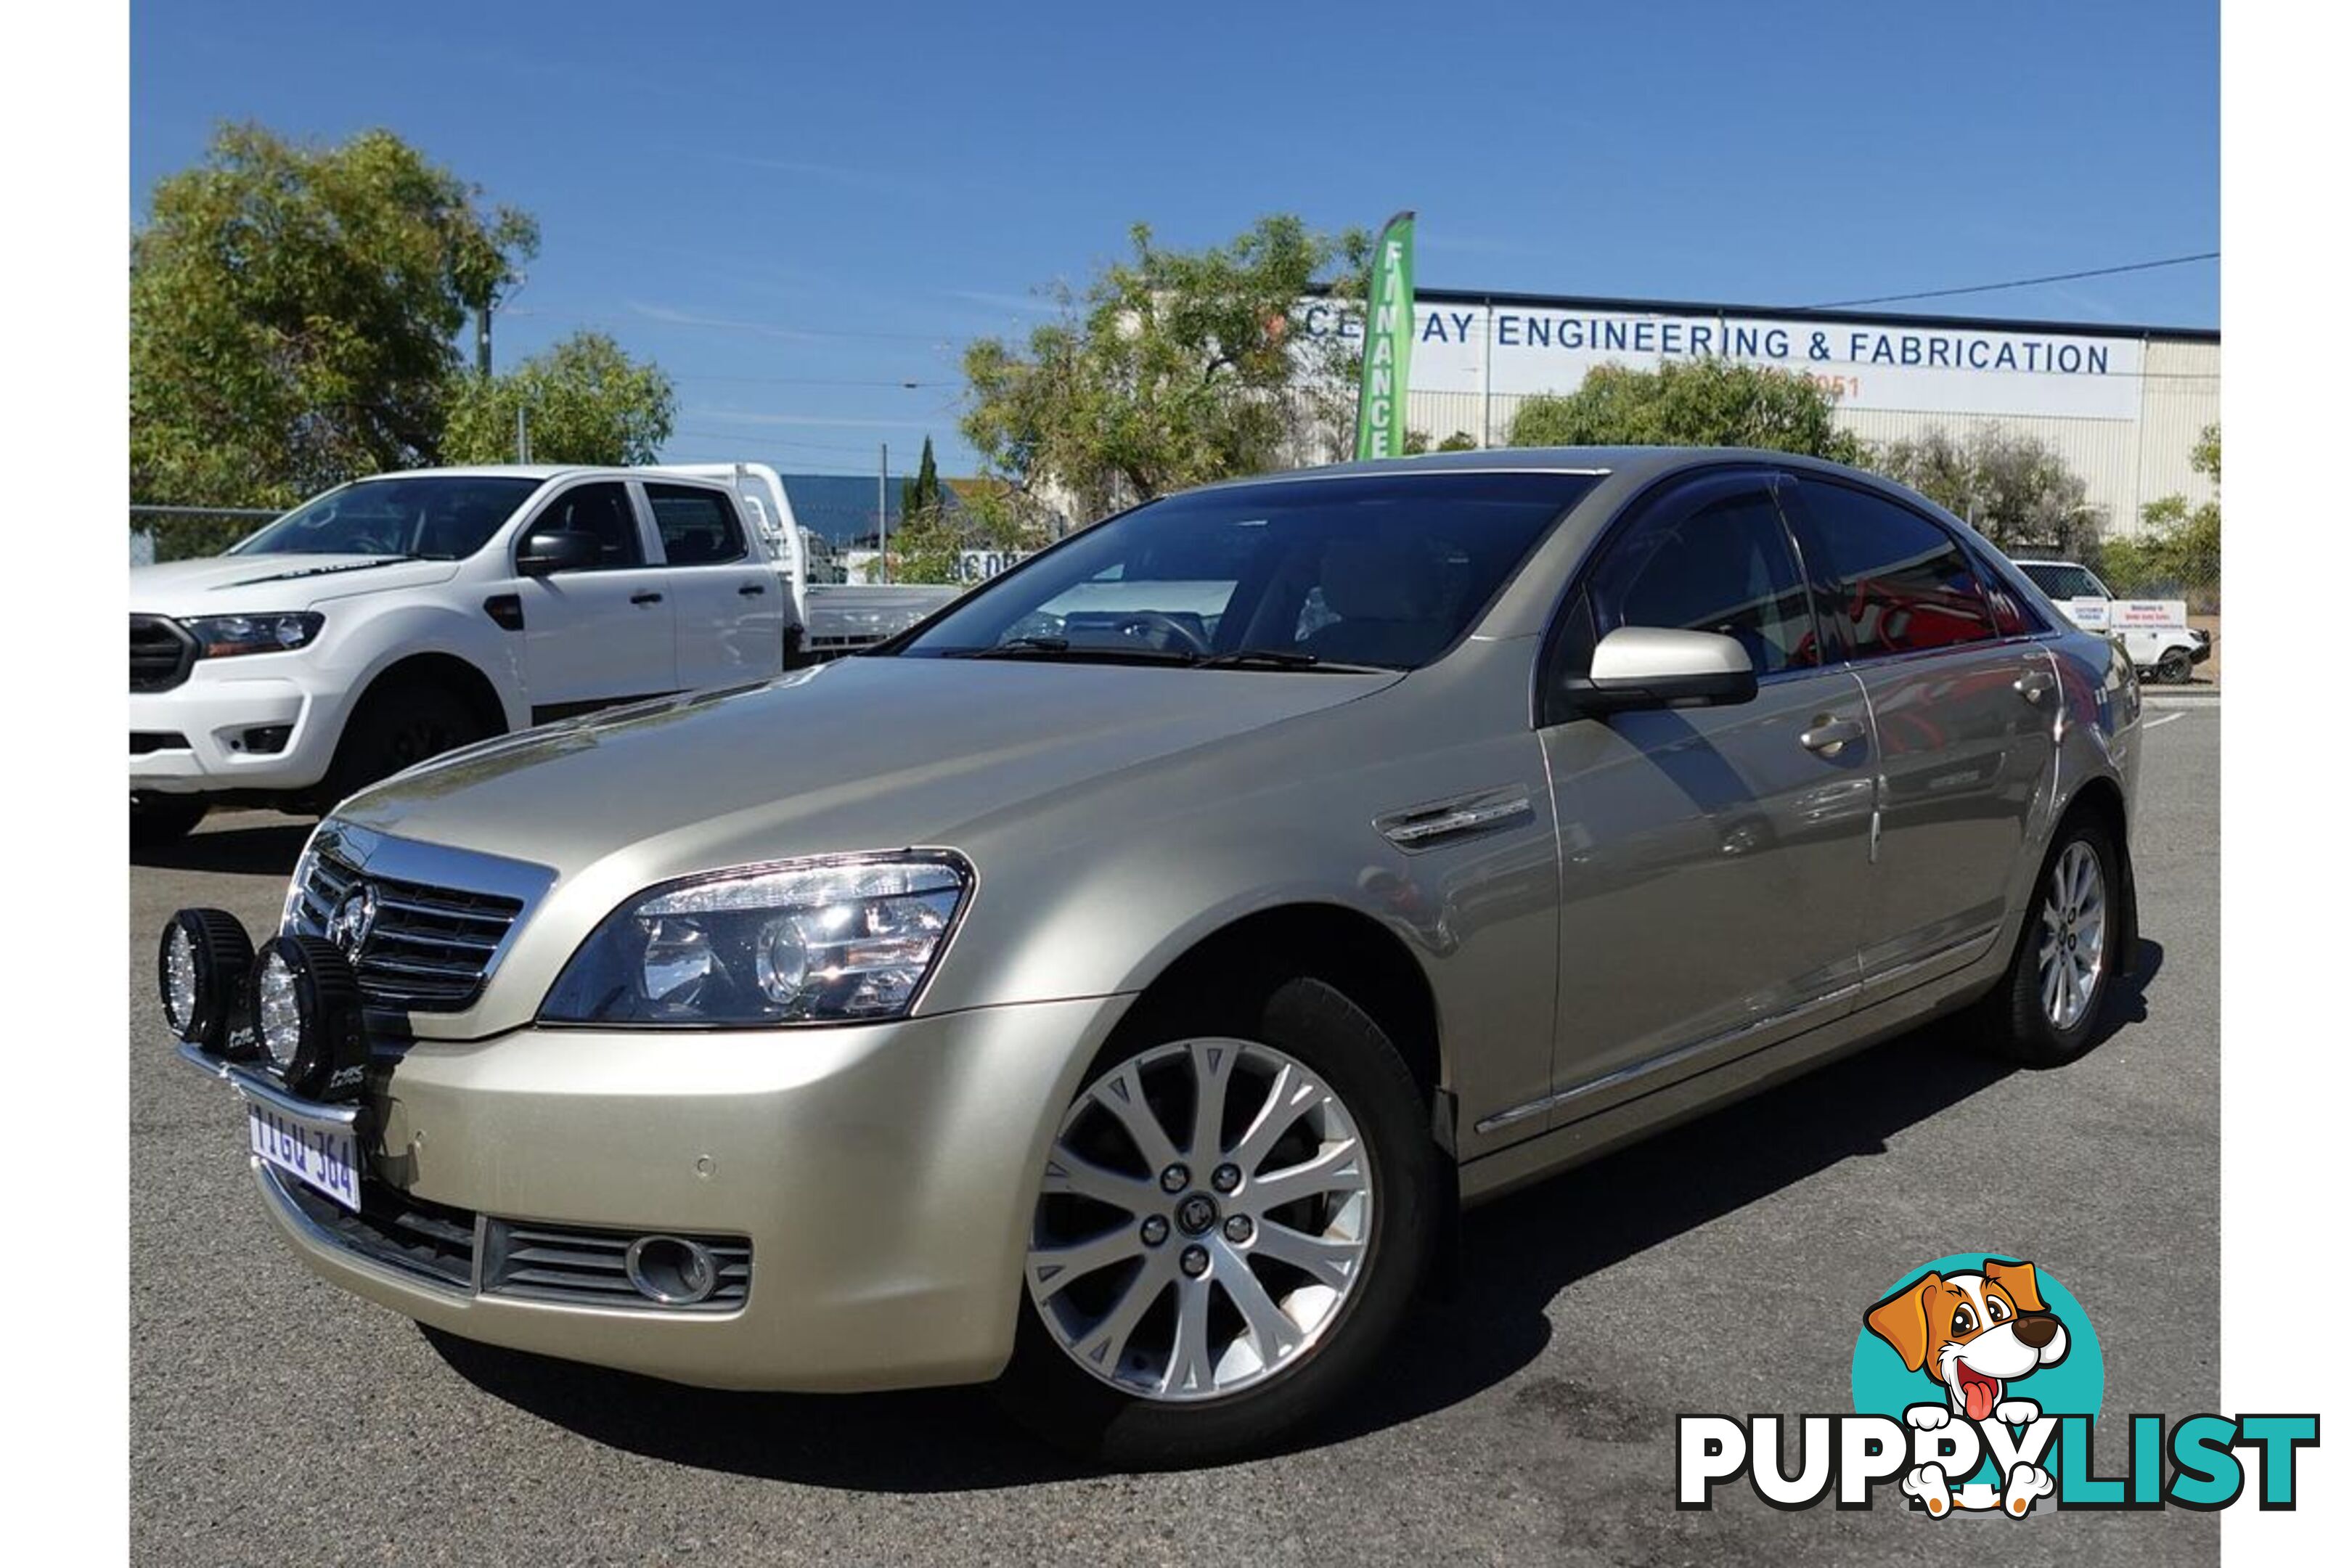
[882, 512]
[482, 338]
[523, 434]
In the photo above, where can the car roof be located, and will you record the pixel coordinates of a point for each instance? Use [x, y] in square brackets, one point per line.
[487, 471]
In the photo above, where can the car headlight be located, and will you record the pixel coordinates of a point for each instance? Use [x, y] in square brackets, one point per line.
[223, 637]
[811, 942]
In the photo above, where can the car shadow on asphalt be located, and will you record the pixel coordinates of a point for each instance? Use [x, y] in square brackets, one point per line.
[1517, 1255]
[263, 849]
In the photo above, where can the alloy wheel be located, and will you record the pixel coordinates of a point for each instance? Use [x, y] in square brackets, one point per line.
[2072, 954]
[1190, 1263]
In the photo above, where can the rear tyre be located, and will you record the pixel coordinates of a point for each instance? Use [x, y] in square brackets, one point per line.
[158, 819]
[2173, 668]
[1231, 1224]
[397, 727]
[2046, 1010]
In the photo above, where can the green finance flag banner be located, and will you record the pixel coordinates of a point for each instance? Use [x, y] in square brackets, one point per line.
[1388, 343]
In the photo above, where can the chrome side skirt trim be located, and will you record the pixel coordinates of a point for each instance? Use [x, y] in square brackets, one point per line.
[1665, 1059]
[1977, 938]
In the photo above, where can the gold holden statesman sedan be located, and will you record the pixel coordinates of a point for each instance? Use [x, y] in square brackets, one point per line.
[1113, 987]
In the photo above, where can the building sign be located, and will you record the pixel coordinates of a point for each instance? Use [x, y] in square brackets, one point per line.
[1517, 350]
[980, 566]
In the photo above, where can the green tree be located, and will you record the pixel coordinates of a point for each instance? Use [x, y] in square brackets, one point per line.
[293, 311]
[1173, 368]
[586, 400]
[927, 543]
[922, 494]
[2179, 549]
[1690, 402]
[2012, 488]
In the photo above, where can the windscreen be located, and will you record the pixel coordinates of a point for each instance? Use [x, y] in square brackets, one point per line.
[1384, 570]
[439, 517]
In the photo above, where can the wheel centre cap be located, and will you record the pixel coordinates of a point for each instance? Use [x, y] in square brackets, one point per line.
[1196, 1214]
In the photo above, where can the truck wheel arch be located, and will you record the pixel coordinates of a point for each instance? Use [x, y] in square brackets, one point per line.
[448, 672]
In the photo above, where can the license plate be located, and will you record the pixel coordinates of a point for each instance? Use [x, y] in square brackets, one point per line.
[323, 1158]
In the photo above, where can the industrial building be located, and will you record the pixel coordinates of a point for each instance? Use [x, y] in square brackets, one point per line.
[2123, 405]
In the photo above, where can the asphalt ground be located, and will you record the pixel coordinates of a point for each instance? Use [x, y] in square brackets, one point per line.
[1723, 1266]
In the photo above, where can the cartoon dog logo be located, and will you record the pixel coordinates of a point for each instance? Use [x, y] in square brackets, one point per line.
[1975, 1334]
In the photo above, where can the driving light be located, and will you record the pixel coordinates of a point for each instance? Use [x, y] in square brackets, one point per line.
[201, 965]
[306, 1005]
[812, 942]
[225, 637]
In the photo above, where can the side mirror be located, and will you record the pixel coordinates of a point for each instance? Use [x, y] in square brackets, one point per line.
[559, 551]
[1654, 667]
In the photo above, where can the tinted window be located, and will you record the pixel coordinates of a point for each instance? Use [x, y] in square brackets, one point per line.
[1895, 582]
[603, 512]
[1385, 570]
[444, 516]
[697, 527]
[1709, 561]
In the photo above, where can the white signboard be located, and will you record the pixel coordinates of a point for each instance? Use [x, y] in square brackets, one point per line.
[1515, 350]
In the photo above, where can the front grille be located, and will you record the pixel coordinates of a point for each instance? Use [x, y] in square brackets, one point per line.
[408, 1234]
[161, 653]
[431, 946]
[145, 742]
[567, 1265]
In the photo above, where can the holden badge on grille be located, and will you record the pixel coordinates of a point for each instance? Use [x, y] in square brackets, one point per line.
[351, 921]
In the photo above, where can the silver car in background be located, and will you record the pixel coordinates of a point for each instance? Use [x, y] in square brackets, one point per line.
[1113, 987]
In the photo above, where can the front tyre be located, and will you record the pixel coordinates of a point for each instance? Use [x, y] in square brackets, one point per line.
[1231, 1222]
[2047, 1008]
[2173, 668]
[395, 727]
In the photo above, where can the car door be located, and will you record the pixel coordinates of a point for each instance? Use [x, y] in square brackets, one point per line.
[729, 601]
[1715, 860]
[1963, 707]
[599, 634]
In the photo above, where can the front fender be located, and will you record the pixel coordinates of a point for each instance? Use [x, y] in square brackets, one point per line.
[406, 631]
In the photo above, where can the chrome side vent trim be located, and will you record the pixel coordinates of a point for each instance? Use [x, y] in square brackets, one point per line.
[1463, 816]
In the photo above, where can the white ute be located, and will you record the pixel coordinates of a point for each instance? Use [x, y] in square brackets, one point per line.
[2155, 633]
[398, 616]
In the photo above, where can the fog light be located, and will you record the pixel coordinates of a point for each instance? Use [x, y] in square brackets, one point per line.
[200, 966]
[671, 1270]
[268, 740]
[306, 1004]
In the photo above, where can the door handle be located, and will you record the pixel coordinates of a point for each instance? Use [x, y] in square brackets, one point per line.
[1830, 735]
[751, 590]
[2032, 685]
[647, 598]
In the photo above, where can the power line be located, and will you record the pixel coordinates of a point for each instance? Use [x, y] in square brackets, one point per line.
[2020, 282]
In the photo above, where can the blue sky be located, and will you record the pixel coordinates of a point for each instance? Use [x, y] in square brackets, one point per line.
[786, 204]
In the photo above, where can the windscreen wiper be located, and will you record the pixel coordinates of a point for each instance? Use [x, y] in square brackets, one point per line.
[1284, 658]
